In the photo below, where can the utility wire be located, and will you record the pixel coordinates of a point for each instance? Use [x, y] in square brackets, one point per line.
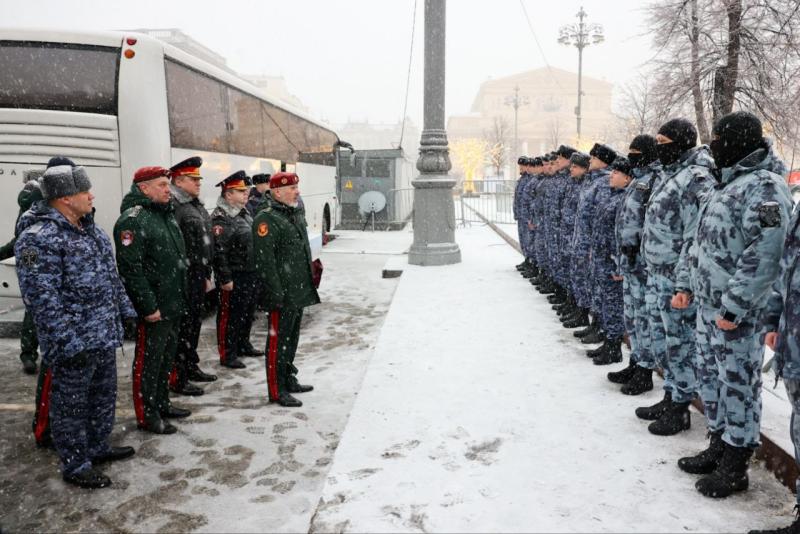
[408, 74]
[539, 46]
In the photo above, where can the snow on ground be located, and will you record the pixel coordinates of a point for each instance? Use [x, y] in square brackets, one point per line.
[237, 464]
[480, 413]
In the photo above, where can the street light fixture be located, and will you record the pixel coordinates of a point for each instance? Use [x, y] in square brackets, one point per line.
[516, 101]
[580, 36]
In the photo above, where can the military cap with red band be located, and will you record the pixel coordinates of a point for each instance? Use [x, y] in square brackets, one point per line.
[149, 173]
[188, 167]
[237, 180]
[283, 179]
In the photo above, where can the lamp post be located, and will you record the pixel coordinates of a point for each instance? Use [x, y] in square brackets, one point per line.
[580, 36]
[434, 209]
[516, 101]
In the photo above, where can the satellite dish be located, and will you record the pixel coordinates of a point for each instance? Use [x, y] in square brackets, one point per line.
[371, 202]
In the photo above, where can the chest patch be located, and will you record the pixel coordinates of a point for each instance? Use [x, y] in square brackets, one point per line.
[217, 229]
[263, 229]
[126, 238]
[769, 214]
[29, 257]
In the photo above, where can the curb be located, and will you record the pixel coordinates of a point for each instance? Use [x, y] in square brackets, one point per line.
[778, 461]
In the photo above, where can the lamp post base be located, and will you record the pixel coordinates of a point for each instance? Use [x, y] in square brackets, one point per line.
[434, 222]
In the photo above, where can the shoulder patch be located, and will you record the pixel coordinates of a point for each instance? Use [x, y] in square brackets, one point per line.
[769, 214]
[126, 238]
[29, 257]
[263, 229]
[643, 187]
[217, 229]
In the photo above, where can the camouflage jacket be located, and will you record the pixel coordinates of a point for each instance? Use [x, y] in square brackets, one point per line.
[588, 200]
[672, 214]
[739, 241]
[537, 190]
[554, 199]
[783, 306]
[233, 241]
[151, 256]
[195, 224]
[630, 218]
[520, 206]
[569, 209]
[69, 283]
[604, 239]
[283, 256]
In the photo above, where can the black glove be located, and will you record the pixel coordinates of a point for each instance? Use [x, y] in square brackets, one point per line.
[631, 253]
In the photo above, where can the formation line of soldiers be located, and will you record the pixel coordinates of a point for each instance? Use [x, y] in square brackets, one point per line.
[80, 296]
[690, 252]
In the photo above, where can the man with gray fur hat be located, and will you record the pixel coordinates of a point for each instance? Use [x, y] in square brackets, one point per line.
[69, 282]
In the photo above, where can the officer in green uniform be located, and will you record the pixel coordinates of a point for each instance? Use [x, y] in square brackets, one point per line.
[152, 263]
[283, 262]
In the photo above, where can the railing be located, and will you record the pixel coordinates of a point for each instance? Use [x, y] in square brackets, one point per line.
[493, 199]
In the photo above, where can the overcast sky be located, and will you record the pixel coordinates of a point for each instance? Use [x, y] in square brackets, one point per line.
[348, 59]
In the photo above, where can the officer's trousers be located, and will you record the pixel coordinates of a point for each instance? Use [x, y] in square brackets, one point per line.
[28, 341]
[41, 414]
[680, 350]
[524, 237]
[189, 332]
[282, 338]
[634, 287]
[82, 407]
[729, 376]
[155, 354]
[612, 317]
[793, 390]
[235, 315]
[657, 353]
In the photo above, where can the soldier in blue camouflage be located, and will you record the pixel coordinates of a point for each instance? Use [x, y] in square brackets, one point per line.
[561, 187]
[637, 376]
[70, 285]
[669, 228]
[605, 260]
[782, 322]
[596, 180]
[539, 220]
[520, 209]
[529, 193]
[579, 166]
[736, 258]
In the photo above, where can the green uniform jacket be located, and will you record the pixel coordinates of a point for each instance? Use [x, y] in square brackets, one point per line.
[151, 256]
[283, 256]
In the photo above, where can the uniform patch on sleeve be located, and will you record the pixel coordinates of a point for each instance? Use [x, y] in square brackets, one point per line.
[29, 257]
[769, 214]
[126, 238]
[217, 229]
[263, 229]
[643, 187]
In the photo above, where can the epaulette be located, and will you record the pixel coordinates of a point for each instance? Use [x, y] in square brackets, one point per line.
[34, 228]
[643, 186]
[133, 212]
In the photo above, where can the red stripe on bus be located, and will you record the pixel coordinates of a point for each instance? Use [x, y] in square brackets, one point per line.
[138, 369]
[43, 414]
[272, 355]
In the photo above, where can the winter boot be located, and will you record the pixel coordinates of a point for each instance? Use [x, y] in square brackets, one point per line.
[528, 273]
[522, 266]
[730, 475]
[594, 353]
[559, 297]
[675, 419]
[581, 318]
[611, 354]
[580, 334]
[640, 382]
[794, 528]
[598, 336]
[708, 460]
[623, 375]
[651, 413]
[90, 478]
[548, 288]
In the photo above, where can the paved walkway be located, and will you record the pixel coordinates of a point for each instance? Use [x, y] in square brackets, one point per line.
[478, 412]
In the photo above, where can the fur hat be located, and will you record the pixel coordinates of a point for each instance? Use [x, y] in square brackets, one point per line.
[63, 181]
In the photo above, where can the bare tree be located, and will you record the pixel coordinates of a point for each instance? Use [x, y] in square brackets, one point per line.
[554, 131]
[497, 144]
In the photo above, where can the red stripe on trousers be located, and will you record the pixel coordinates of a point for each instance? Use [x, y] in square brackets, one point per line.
[222, 330]
[173, 376]
[272, 355]
[43, 414]
[138, 369]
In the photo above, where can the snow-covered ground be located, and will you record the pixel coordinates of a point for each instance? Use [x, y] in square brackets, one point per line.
[480, 413]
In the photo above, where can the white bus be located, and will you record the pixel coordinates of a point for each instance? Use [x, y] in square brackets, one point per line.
[114, 102]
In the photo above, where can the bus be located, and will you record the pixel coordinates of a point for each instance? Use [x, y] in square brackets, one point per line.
[117, 101]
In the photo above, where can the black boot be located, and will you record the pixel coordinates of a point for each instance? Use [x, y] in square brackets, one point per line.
[581, 318]
[580, 334]
[730, 475]
[569, 308]
[594, 353]
[641, 381]
[611, 354]
[559, 297]
[198, 375]
[285, 399]
[548, 288]
[88, 478]
[114, 454]
[249, 350]
[173, 412]
[675, 419]
[598, 336]
[651, 413]
[522, 266]
[188, 389]
[233, 362]
[623, 375]
[708, 460]
[794, 528]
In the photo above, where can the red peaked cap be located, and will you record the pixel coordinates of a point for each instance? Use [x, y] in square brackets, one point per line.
[282, 179]
[149, 173]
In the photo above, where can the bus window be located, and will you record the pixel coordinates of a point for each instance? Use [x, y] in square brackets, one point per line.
[58, 76]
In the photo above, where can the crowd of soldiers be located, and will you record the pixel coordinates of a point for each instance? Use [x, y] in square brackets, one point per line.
[689, 254]
[81, 294]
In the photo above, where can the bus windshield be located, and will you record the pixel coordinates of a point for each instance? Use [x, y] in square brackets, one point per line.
[56, 76]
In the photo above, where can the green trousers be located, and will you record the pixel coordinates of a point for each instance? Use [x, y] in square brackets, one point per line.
[282, 338]
[155, 352]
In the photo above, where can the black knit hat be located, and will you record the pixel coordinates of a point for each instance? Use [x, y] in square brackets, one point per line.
[63, 181]
[604, 153]
[565, 151]
[520, 161]
[262, 178]
[537, 161]
[622, 165]
[581, 159]
[55, 161]
[681, 131]
[646, 144]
